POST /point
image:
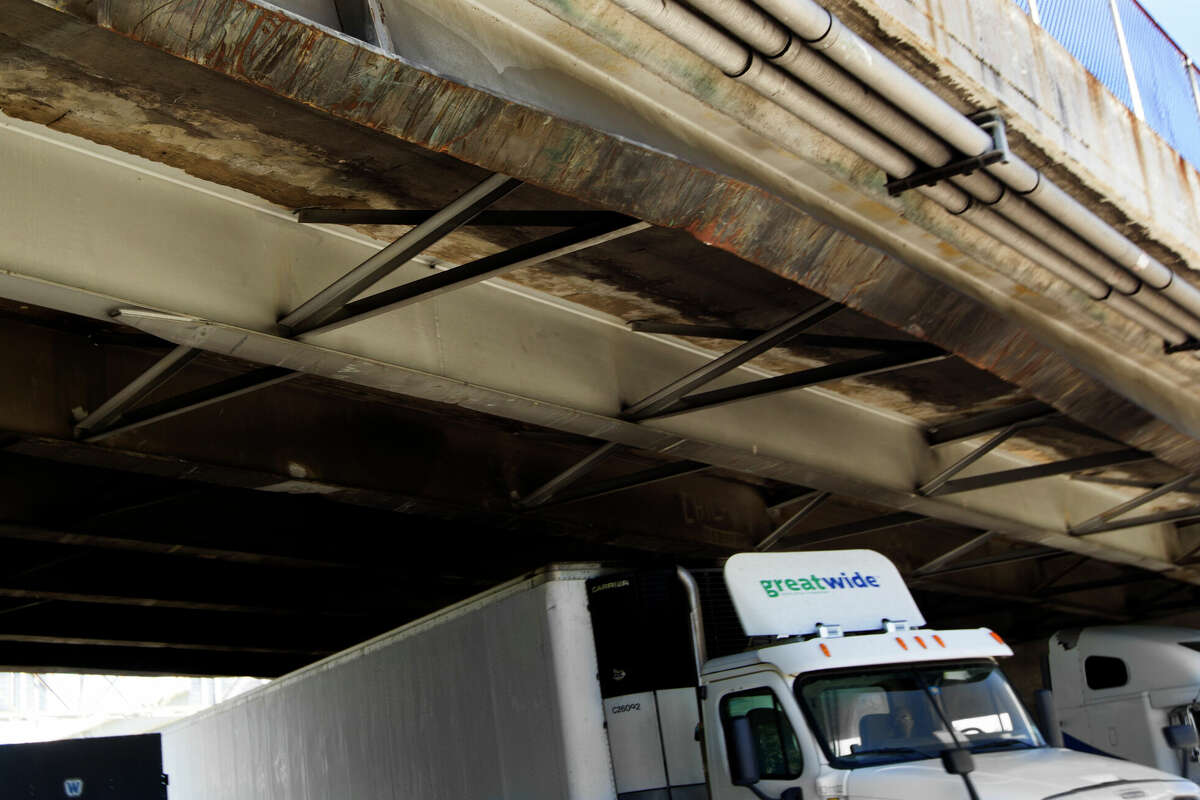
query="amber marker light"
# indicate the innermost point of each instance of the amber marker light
(938, 639)
(900, 642)
(920, 642)
(825, 650)
(996, 636)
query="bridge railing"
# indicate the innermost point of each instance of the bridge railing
(1122, 45)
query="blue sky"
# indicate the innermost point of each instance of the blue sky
(1181, 19)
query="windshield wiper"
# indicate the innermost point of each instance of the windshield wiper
(999, 743)
(894, 750)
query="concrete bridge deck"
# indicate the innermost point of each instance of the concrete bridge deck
(155, 155)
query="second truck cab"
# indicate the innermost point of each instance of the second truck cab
(848, 697)
(1130, 691)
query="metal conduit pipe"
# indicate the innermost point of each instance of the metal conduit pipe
(779, 46)
(762, 33)
(1074, 248)
(824, 32)
(736, 60)
(1003, 230)
(1149, 320)
(777, 87)
(727, 53)
(1158, 303)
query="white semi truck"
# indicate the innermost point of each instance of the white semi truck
(1130, 691)
(592, 684)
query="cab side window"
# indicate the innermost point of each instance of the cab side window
(776, 743)
(1103, 672)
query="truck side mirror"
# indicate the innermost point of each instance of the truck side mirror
(1181, 737)
(744, 768)
(743, 757)
(958, 761)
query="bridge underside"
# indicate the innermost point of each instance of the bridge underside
(278, 492)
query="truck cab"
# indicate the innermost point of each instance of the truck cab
(853, 699)
(1131, 692)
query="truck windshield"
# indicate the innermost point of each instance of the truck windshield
(884, 715)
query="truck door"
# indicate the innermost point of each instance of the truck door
(786, 751)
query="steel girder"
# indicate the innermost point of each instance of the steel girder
(214, 269)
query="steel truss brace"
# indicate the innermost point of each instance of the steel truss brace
(844, 531)
(1103, 518)
(936, 483)
(332, 307)
(612, 226)
(746, 334)
(1179, 515)
(987, 422)
(954, 553)
(664, 397)
(553, 492)
(1107, 583)
(1133, 483)
(1012, 557)
(490, 217)
(945, 486)
(857, 368)
(677, 397)
(811, 502)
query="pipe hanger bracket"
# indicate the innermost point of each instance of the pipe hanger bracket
(1192, 343)
(990, 121)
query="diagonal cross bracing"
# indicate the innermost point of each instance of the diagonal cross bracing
(942, 478)
(1067, 466)
(667, 396)
(328, 309)
(859, 367)
(987, 422)
(524, 255)
(815, 499)
(490, 217)
(759, 344)
(1104, 517)
(320, 306)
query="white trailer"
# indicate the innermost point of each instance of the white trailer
(592, 684)
(1130, 691)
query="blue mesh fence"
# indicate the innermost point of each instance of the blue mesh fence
(1087, 29)
(1162, 79)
